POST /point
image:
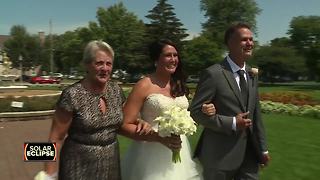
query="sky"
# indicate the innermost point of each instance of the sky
(66, 15)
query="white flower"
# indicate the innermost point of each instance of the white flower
(255, 71)
(175, 121)
(42, 175)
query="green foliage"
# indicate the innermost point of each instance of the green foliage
(200, 53)
(313, 61)
(68, 51)
(115, 25)
(305, 33)
(279, 61)
(290, 109)
(36, 103)
(22, 43)
(221, 14)
(164, 24)
(281, 42)
(125, 33)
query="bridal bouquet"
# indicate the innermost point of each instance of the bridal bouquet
(175, 121)
(44, 176)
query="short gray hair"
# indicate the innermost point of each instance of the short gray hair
(92, 47)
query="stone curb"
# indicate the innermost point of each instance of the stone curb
(30, 96)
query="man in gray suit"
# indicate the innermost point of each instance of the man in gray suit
(232, 144)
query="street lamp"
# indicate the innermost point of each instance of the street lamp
(21, 73)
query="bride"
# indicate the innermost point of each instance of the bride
(149, 159)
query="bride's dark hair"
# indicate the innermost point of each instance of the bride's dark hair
(178, 78)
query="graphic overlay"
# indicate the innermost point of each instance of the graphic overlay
(39, 151)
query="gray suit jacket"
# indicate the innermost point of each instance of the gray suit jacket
(219, 146)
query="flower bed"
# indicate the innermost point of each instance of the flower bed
(289, 97)
(290, 109)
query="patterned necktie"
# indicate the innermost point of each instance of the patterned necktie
(243, 87)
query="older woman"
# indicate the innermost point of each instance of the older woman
(87, 118)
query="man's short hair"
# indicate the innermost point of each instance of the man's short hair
(232, 29)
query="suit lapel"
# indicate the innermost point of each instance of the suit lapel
(250, 80)
(227, 71)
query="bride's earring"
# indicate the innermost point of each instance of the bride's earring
(155, 64)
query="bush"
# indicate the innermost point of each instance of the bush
(35, 103)
(290, 109)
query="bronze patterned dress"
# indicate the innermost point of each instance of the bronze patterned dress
(91, 149)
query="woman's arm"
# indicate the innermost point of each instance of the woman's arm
(59, 128)
(130, 126)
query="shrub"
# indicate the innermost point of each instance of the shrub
(35, 103)
(290, 109)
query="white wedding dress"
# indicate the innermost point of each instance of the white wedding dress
(152, 160)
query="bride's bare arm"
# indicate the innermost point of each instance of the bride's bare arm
(131, 112)
(131, 126)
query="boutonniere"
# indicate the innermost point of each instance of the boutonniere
(253, 72)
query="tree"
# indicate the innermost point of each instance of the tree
(164, 24)
(125, 33)
(305, 34)
(305, 31)
(281, 42)
(200, 53)
(68, 51)
(221, 14)
(313, 61)
(22, 43)
(116, 26)
(276, 61)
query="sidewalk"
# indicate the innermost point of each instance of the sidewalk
(13, 134)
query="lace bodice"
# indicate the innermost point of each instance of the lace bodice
(156, 103)
(147, 160)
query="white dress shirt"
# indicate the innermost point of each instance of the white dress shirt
(235, 68)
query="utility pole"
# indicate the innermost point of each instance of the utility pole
(51, 47)
(20, 58)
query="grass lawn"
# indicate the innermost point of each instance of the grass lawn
(294, 145)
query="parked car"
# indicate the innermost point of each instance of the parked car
(73, 76)
(44, 80)
(57, 75)
(25, 78)
(193, 79)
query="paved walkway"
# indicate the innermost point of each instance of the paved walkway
(13, 134)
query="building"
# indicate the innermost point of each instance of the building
(3, 38)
